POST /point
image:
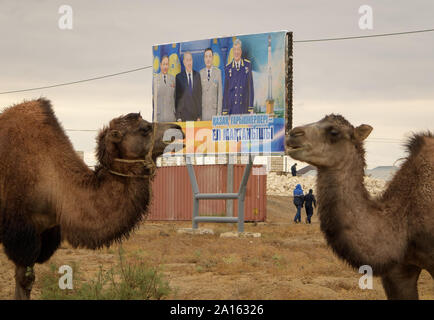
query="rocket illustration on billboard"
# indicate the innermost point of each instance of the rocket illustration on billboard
(270, 102)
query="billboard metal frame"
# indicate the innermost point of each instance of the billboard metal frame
(240, 196)
(289, 82)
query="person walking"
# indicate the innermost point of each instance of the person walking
(309, 199)
(298, 202)
(294, 170)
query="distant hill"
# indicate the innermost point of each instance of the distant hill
(305, 170)
(381, 172)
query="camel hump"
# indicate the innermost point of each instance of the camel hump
(38, 110)
(31, 108)
(418, 141)
(31, 105)
(45, 105)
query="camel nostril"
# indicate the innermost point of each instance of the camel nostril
(296, 132)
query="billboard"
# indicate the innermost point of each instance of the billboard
(230, 95)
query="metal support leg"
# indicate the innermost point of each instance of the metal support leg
(230, 185)
(195, 189)
(192, 175)
(242, 195)
(195, 213)
(199, 196)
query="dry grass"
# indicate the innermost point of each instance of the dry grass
(288, 262)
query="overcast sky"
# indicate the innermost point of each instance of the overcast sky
(387, 82)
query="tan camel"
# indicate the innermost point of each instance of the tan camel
(394, 234)
(47, 193)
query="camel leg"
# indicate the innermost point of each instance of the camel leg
(24, 279)
(401, 282)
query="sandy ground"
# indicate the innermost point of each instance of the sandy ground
(288, 262)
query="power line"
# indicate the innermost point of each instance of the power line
(367, 36)
(386, 139)
(79, 81)
(377, 141)
(148, 67)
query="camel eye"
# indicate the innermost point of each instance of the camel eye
(333, 132)
(145, 131)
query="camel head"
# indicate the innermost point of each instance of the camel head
(131, 137)
(328, 142)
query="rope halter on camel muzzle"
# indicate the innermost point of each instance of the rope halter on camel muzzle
(148, 162)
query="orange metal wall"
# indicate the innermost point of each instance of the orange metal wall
(173, 198)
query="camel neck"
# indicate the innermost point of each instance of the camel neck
(353, 223)
(109, 207)
(341, 196)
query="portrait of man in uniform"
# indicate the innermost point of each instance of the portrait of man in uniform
(238, 90)
(164, 93)
(212, 91)
(188, 92)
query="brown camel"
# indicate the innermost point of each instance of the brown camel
(47, 193)
(394, 233)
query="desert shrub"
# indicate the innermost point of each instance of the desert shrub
(125, 281)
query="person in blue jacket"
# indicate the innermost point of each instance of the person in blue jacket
(298, 202)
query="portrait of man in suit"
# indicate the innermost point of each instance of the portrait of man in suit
(212, 91)
(238, 91)
(164, 93)
(188, 92)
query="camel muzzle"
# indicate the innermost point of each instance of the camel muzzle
(293, 142)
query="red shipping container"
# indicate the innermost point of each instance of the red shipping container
(173, 197)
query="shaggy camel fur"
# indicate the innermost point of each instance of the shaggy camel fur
(394, 234)
(47, 193)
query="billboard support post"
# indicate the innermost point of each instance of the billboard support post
(195, 189)
(240, 196)
(230, 186)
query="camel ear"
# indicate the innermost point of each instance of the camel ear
(115, 136)
(362, 132)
